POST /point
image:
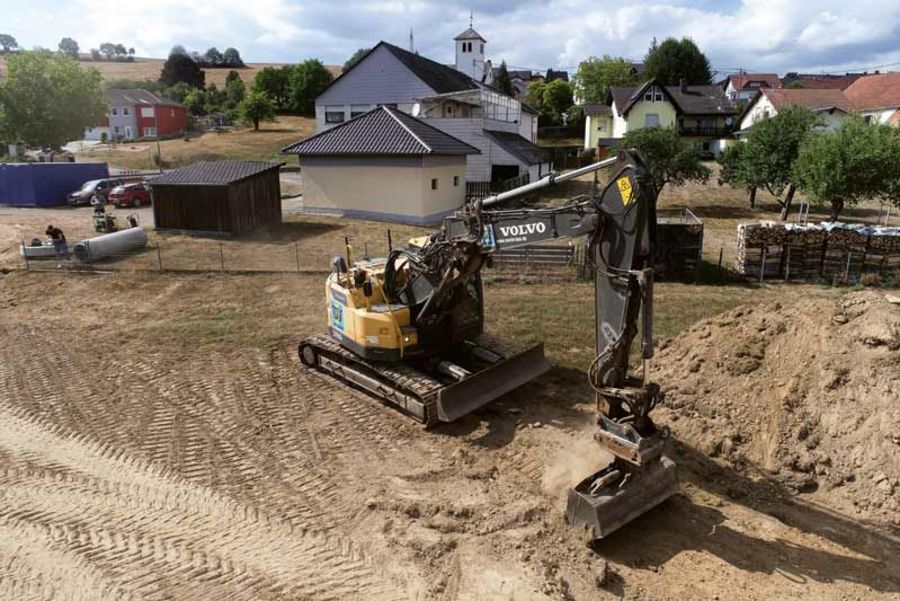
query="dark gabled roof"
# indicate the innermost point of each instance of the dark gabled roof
(524, 75)
(213, 173)
(120, 96)
(596, 110)
(440, 78)
(553, 75)
(519, 147)
(702, 100)
(693, 100)
(470, 34)
(381, 131)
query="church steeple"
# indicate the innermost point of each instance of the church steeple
(470, 51)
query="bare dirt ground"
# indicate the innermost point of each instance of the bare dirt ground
(159, 440)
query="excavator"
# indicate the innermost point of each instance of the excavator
(409, 328)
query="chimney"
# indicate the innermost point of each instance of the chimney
(683, 85)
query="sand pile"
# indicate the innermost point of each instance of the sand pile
(808, 393)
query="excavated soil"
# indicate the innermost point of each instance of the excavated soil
(807, 393)
(159, 440)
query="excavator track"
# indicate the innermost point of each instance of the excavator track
(423, 397)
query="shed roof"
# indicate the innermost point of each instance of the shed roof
(213, 173)
(596, 110)
(880, 91)
(379, 132)
(120, 96)
(527, 152)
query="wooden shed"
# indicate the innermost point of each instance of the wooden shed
(218, 197)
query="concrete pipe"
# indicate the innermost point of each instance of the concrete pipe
(109, 245)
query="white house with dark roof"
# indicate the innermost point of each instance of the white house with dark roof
(386, 165)
(448, 98)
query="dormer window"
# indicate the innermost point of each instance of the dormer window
(658, 97)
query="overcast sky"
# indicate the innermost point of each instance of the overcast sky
(758, 35)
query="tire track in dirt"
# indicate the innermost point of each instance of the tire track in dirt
(150, 532)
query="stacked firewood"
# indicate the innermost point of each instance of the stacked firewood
(790, 251)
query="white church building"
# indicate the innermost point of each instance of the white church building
(453, 99)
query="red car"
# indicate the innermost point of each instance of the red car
(132, 195)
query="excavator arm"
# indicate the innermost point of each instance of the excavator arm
(620, 228)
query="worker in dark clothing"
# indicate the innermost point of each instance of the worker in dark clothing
(59, 244)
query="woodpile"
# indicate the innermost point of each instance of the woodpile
(827, 250)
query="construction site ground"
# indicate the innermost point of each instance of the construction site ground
(159, 440)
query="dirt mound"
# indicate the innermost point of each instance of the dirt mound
(807, 393)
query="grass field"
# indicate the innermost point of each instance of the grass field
(242, 143)
(150, 68)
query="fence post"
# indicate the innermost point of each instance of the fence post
(762, 265)
(297, 255)
(847, 268)
(222, 255)
(158, 256)
(721, 251)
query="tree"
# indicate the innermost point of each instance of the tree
(595, 76)
(306, 81)
(108, 49)
(232, 58)
(131, 52)
(48, 100)
(856, 161)
(671, 159)
(534, 95)
(178, 92)
(234, 89)
(8, 43)
(213, 57)
(195, 101)
(256, 107)
(354, 58)
(771, 149)
(95, 54)
(557, 100)
(180, 67)
(274, 82)
(178, 49)
(121, 51)
(503, 82)
(69, 46)
(674, 61)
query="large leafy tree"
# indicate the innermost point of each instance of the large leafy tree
(671, 159)
(108, 49)
(552, 99)
(856, 161)
(8, 43)
(232, 58)
(47, 100)
(595, 76)
(180, 67)
(235, 89)
(274, 81)
(255, 107)
(771, 148)
(213, 57)
(354, 58)
(503, 81)
(69, 46)
(306, 80)
(674, 60)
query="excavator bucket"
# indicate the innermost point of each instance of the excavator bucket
(617, 494)
(515, 368)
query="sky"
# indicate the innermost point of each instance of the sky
(755, 35)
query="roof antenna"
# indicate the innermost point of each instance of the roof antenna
(412, 47)
(471, 19)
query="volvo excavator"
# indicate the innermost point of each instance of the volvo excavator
(409, 328)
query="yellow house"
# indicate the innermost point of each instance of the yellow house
(384, 165)
(598, 125)
(702, 114)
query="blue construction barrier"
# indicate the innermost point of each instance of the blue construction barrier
(45, 184)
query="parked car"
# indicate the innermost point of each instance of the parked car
(131, 195)
(94, 191)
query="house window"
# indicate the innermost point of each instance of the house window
(334, 116)
(149, 131)
(434, 183)
(482, 48)
(115, 111)
(658, 96)
(357, 110)
(116, 128)
(125, 110)
(651, 120)
(455, 180)
(868, 118)
(648, 96)
(147, 111)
